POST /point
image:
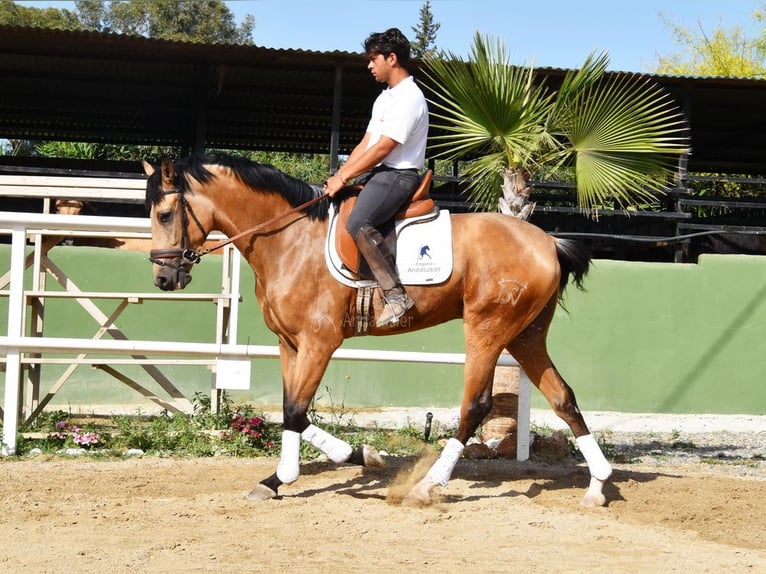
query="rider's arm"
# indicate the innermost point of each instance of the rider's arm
(369, 158)
(360, 161)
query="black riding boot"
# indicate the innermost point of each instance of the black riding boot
(379, 258)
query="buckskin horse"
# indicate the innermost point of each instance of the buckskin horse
(507, 278)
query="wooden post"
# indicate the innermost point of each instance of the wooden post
(501, 424)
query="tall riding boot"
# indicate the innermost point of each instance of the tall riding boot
(375, 251)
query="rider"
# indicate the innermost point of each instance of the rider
(391, 154)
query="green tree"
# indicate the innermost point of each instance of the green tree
(208, 21)
(621, 137)
(724, 52)
(16, 15)
(721, 52)
(424, 43)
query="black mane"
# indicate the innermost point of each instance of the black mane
(258, 176)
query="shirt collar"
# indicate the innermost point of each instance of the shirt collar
(407, 80)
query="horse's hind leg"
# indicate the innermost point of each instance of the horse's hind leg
(530, 350)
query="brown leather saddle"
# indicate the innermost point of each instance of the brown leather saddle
(420, 204)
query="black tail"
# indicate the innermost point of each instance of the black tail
(575, 259)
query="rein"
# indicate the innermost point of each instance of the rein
(189, 256)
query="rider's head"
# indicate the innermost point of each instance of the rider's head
(392, 41)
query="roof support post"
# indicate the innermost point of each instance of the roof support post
(335, 133)
(683, 161)
(198, 107)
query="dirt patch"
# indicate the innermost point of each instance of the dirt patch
(172, 515)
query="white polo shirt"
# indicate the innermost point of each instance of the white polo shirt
(401, 113)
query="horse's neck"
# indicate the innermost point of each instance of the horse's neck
(296, 235)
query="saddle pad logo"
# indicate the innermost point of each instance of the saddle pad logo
(424, 252)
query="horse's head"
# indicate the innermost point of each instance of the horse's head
(69, 206)
(177, 229)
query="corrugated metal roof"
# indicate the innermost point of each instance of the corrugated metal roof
(88, 86)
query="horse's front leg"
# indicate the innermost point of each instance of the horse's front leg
(477, 402)
(302, 372)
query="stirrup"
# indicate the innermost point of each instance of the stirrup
(394, 309)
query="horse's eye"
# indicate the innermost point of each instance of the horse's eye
(165, 216)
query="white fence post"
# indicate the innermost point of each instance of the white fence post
(15, 329)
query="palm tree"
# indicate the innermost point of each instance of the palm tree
(621, 136)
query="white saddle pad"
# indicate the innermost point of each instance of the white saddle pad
(423, 251)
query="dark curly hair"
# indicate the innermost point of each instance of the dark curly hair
(392, 41)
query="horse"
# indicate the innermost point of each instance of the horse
(507, 280)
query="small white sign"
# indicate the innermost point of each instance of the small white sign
(232, 373)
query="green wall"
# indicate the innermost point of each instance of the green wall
(669, 338)
(644, 337)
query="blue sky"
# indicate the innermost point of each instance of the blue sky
(558, 33)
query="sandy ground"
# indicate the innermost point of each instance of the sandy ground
(180, 515)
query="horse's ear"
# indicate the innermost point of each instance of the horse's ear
(168, 171)
(148, 168)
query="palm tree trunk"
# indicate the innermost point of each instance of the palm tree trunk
(515, 199)
(500, 423)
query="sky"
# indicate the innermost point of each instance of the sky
(555, 33)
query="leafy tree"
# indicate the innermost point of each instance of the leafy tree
(17, 15)
(307, 167)
(208, 21)
(101, 151)
(621, 136)
(722, 52)
(424, 43)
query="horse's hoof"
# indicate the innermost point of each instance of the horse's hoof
(372, 457)
(420, 494)
(261, 492)
(593, 500)
(594, 497)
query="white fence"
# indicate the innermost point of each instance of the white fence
(231, 361)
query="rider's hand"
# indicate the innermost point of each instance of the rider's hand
(333, 185)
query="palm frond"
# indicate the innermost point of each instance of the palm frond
(485, 104)
(623, 136)
(626, 136)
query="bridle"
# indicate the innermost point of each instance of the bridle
(185, 255)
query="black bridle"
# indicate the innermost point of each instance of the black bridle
(184, 255)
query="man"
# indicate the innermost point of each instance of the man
(393, 148)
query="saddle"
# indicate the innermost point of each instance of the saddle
(419, 204)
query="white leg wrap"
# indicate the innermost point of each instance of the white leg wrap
(597, 463)
(288, 468)
(336, 450)
(442, 469)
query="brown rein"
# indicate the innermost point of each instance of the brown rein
(191, 256)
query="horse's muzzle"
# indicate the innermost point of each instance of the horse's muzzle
(169, 279)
